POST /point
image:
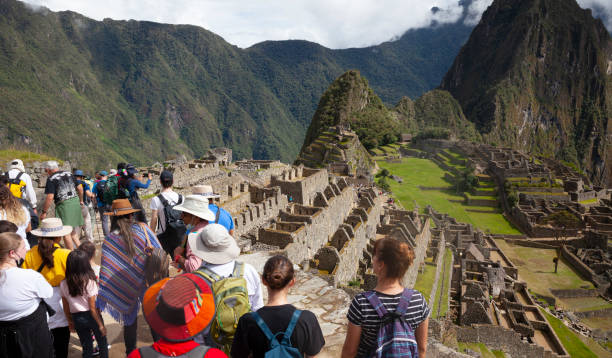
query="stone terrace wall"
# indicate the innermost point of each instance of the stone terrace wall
(422, 242)
(506, 340)
(301, 184)
(584, 270)
(258, 214)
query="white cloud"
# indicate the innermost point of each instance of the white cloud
(331, 23)
(601, 8)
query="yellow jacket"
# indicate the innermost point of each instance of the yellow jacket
(53, 275)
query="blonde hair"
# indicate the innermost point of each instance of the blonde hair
(12, 208)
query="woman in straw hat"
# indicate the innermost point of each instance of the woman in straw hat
(178, 309)
(49, 259)
(122, 275)
(23, 318)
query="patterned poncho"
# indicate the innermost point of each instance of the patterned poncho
(122, 282)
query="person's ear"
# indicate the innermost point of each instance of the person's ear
(291, 283)
(263, 280)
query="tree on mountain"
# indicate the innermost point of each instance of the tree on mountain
(561, 222)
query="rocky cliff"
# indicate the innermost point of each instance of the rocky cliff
(537, 75)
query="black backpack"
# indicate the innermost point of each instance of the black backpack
(175, 229)
(100, 189)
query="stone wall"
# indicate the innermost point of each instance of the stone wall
(301, 184)
(258, 214)
(601, 283)
(422, 241)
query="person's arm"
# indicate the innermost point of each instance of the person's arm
(79, 188)
(46, 205)
(351, 342)
(141, 185)
(95, 314)
(67, 313)
(421, 337)
(190, 262)
(30, 193)
(153, 223)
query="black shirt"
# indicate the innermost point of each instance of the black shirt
(62, 185)
(307, 336)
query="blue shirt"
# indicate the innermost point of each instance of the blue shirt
(86, 188)
(225, 218)
(134, 183)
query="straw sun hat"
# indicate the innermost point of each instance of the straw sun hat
(52, 227)
(196, 205)
(205, 191)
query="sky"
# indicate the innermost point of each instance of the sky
(331, 23)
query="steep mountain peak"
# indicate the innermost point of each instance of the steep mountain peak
(535, 75)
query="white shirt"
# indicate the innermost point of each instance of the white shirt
(30, 194)
(20, 293)
(21, 229)
(251, 276)
(156, 204)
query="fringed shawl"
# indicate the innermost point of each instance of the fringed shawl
(122, 283)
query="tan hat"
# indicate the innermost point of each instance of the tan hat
(205, 191)
(121, 207)
(213, 244)
(52, 227)
(196, 205)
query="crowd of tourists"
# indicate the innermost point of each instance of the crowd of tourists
(50, 284)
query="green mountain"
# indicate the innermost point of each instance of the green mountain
(537, 75)
(97, 92)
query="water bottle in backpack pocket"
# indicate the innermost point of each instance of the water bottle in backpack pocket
(280, 348)
(395, 336)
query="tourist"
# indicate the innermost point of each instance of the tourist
(222, 216)
(178, 318)
(49, 259)
(122, 276)
(251, 341)
(17, 174)
(32, 240)
(23, 315)
(12, 210)
(131, 182)
(61, 189)
(390, 262)
(8, 226)
(195, 215)
(79, 291)
(85, 231)
(167, 198)
(98, 190)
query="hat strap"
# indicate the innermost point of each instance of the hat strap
(121, 209)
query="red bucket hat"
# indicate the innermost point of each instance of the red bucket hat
(179, 308)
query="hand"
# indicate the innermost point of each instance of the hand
(179, 251)
(43, 215)
(71, 326)
(82, 203)
(102, 330)
(149, 176)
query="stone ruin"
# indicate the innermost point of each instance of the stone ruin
(486, 295)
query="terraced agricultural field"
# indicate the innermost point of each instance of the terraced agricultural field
(418, 173)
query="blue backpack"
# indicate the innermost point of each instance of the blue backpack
(395, 336)
(284, 348)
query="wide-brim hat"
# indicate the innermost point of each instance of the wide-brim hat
(179, 308)
(205, 191)
(196, 205)
(52, 227)
(213, 244)
(121, 207)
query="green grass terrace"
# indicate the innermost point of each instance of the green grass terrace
(417, 173)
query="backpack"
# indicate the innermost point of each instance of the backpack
(113, 191)
(157, 262)
(197, 352)
(231, 302)
(284, 348)
(16, 185)
(395, 336)
(175, 228)
(100, 189)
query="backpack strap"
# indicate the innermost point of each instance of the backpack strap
(380, 309)
(238, 269)
(18, 177)
(163, 200)
(180, 201)
(289, 331)
(218, 214)
(404, 302)
(208, 274)
(264, 328)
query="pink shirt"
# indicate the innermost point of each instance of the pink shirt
(79, 303)
(192, 262)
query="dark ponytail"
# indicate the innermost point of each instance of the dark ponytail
(46, 247)
(278, 272)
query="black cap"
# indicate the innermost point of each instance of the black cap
(166, 175)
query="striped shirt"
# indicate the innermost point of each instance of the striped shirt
(361, 313)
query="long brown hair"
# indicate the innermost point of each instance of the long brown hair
(13, 210)
(124, 224)
(78, 273)
(8, 241)
(46, 248)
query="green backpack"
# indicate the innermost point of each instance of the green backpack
(231, 302)
(112, 191)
